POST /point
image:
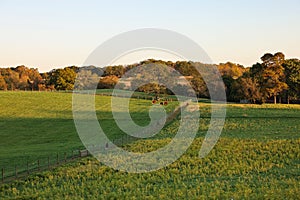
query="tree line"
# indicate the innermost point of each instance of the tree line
(273, 79)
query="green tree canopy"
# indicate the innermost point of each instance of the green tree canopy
(63, 79)
(292, 76)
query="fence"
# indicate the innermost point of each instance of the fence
(10, 173)
(99, 92)
(46, 163)
(128, 94)
(126, 139)
(19, 171)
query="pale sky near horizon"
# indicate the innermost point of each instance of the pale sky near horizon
(52, 34)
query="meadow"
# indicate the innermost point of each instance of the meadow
(257, 156)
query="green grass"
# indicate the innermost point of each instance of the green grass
(257, 156)
(35, 125)
(262, 121)
(234, 169)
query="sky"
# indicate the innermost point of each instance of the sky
(51, 34)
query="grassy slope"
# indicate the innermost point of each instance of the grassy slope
(258, 153)
(38, 124)
(35, 125)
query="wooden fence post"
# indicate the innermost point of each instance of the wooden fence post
(65, 157)
(57, 161)
(48, 162)
(2, 175)
(38, 162)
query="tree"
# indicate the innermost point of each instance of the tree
(3, 85)
(151, 88)
(292, 77)
(117, 71)
(63, 79)
(245, 88)
(231, 70)
(199, 87)
(11, 78)
(273, 74)
(108, 82)
(23, 83)
(88, 78)
(35, 78)
(192, 70)
(270, 75)
(152, 77)
(185, 68)
(29, 78)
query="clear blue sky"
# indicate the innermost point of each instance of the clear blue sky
(50, 34)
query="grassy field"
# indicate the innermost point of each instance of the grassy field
(257, 156)
(37, 124)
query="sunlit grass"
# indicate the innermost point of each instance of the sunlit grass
(257, 155)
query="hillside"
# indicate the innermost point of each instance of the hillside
(257, 156)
